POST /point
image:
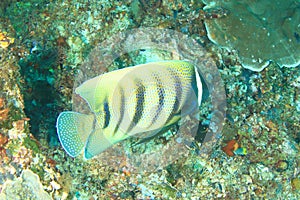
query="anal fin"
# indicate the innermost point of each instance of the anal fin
(97, 143)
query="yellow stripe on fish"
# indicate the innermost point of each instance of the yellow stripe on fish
(130, 101)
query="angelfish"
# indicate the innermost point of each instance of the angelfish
(141, 99)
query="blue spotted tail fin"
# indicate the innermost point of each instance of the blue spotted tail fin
(73, 130)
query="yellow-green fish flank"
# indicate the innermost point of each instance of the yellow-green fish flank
(130, 101)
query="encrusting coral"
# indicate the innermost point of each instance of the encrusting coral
(260, 31)
(27, 186)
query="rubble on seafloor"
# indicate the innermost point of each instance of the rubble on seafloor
(262, 117)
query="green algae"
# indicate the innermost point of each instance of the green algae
(261, 31)
(31, 144)
(296, 183)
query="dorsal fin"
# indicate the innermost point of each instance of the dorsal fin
(87, 91)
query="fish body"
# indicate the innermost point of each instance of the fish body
(129, 102)
(242, 151)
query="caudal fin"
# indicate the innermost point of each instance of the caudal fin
(73, 129)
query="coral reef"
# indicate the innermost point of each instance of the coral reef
(51, 40)
(260, 31)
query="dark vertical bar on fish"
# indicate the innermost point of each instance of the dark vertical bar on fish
(178, 91)
(161, 100)
(139, 107)
(106, 114)
(122, 109)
